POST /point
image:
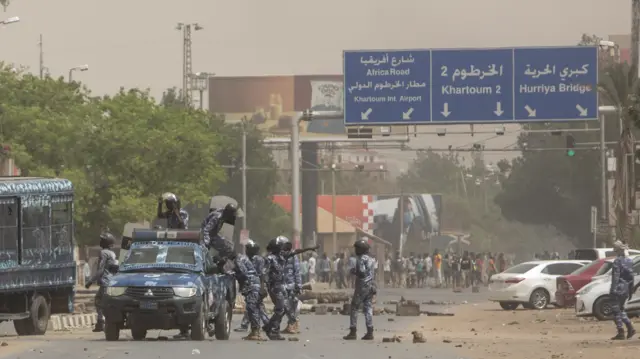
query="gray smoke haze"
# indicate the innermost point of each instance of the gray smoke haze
(133, 43)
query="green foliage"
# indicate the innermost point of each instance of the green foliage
(122, 151)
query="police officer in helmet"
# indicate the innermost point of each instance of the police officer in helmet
(107, 265)
(364, 290)
(212, 225)
(177, 218)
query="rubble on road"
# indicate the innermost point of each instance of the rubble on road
(418, 337)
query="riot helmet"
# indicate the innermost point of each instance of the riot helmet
(287, 246)
(251, 248)
(361, 247)
(275, 245)
(229, 214)
(170, 200)
(107, 240)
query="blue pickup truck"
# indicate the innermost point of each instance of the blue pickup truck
(169, 281)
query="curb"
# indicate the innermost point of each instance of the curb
(67, 322)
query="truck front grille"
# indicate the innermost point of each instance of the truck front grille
(150, 292)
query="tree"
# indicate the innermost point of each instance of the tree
(120, 151)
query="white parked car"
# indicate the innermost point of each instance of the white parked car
(599, 253)
(592, 300)
(532, 284)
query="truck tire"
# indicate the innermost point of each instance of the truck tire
(199, 324)
(38, 322)
(111, 331)
(223, 321)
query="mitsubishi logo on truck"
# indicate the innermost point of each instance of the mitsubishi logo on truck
(149, 293)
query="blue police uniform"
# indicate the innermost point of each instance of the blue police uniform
(249, 282)
(621, 284)
(364, 290)
(212, 239)
(258, 264)
(275, 272)
(293, 283)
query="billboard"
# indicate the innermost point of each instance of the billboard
(271, 101)
(384, 216)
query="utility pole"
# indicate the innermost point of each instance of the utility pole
(635, 34)
(41, 58)
(187, 78)
(333, 208)
(244, 177)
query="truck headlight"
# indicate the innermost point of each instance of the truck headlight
(185, 292)
(116, 291)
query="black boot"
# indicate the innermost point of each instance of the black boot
(99, 327)
(620, 335)
(352, 334)
(369, 335)
(275, 335)
(630, 332)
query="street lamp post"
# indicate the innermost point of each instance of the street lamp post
(11, 20)
(77, 68)
(333, 207)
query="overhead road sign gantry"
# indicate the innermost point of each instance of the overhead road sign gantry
(466, 86)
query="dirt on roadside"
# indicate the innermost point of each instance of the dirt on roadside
(483, 331)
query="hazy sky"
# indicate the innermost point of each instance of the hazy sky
(133, 43)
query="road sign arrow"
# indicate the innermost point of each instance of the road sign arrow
(407, 115)
(583, 111)
(365, 115)
(446, 112)
(498, 110)
(532, 112)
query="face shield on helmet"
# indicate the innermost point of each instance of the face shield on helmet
(107, 240)
(286, 244)
(251, 248)
(229, 214)
(170, 200)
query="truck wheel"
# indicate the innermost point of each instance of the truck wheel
(38, 322)
(111, 331)
(138, 333)
(199, 324)
(223, 321)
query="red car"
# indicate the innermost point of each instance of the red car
(568, 285)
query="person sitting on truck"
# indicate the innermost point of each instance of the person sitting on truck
(106, 266)
(177, 218)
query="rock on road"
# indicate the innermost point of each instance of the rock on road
(321, 337)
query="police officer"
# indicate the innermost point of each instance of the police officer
(106, 266)
(177, 218)
(275, 270)
(293, 282)
(364, 290)
(252, 249)
(621, 290)
(212, 225)
(249, 282)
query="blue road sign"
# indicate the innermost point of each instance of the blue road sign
(388, 87)
(550, 84)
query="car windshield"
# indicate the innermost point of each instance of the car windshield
(586, 268)
(521, 268)
(154, 254)
(604, 269)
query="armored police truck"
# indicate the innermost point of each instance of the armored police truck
(167, 280)
(37, 266)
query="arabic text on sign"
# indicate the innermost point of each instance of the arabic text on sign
(386, 59)
(564, 73)
(472, 71)
(386, 85)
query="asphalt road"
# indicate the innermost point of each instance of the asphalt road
(321, 337)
